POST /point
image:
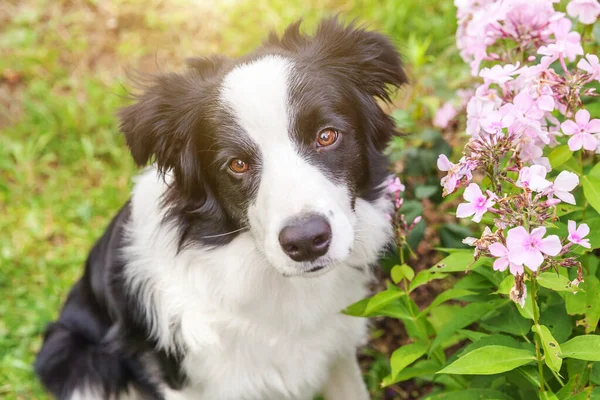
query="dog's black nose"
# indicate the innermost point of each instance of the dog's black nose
(306, 239)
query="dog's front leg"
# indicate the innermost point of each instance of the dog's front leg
(345, 380)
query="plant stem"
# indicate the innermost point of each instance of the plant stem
(401, 255)
(586, 265)
(536, 321)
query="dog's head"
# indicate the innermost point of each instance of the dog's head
(280, 143)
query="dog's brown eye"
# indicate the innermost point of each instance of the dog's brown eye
(238, 166)
(327, 137)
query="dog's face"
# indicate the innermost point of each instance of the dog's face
(280, 143)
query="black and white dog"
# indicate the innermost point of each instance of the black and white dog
(224, 275)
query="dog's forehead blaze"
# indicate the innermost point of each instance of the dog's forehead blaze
(257, 95)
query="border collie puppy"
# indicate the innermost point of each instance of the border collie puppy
(223, 277)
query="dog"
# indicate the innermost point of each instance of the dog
(258, 220)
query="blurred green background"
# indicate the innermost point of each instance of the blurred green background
(64, 170)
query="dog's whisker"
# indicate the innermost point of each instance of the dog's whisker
(226, 233)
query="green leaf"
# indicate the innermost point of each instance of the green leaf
(382, 299)
(506, 285)
(400, 272)
(592, 312)
(496, 340)
(548, 396)
(470, 394)
(368, 307)
(489, 360)
(419, 369)
(583, 395)
(560, 155)
(563, 209)
(595, 373)
(527, 310)
(551, 347)
(449, 294)
(530, 373)
(595, 171)
(591, 189)
(558, 321)
(406, 355)
(558, 283)
(424, 277)
(473, 336)
(456, 262)
(469, 314)
(474, 282)
(585, 347)
(423, 192)
(508, 320)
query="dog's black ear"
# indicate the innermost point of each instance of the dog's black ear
(166, 122)
(157, 126)
(207, 67)
(368, 59)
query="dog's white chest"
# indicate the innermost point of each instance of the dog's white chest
(258, 363)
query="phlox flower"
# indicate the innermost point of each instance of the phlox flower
(531, 149)
(533, 178)
(477, 110)
(444, 115)
(563, 184)
(568, 44)
(543, 96)
(477, 204)
(499, 74)
(576, 235)
(456, 172)
(528, 248)
(450, 181)
(586, 11)
(495, 121)
(527, 115)
(503, 260)
(581, 131)
(395, 187)
(590, 65)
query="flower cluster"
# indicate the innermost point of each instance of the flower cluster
(534, 74)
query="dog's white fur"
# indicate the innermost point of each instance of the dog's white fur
(250, 330)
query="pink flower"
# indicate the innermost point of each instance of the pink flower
(499, 74)
(444, 115)
(581, 131)
(563, 184)
(533, 178)
(477, 110)
(542, 94)
(590, 65)
(503, 261)
(527, 248)
(477, 204)
(586, 11)
(576, 236)
(450, 181)
(395, 187)
(527, 115)
(568, 44)
(495, 121)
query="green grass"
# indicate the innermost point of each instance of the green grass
(64, 170)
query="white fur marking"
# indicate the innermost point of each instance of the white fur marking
(257, 94)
